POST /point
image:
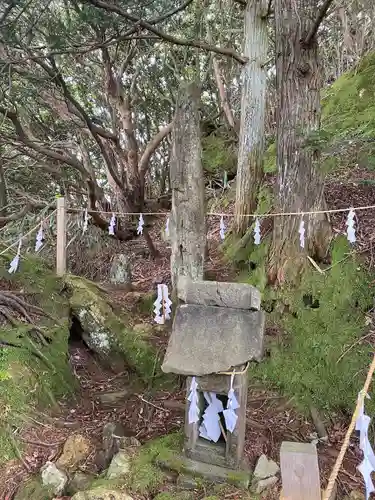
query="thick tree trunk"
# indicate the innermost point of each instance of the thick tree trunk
(253, 110)
(300, 183)
(187, 221)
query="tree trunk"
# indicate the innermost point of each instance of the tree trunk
(187, 221)
(253, 111)
(300, 183)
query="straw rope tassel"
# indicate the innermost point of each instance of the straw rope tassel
(345, 444)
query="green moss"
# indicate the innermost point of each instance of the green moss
(176, 495)
(33, 374)
(219, 154)
(146, 303)
(110, 484)
(33, 489)
(269, 165)
(146, 476)
(319, 359)
(348, 117)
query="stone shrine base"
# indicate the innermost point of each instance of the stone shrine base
(207, 472)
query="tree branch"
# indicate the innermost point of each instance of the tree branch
(319, 18)
(57, 77)
(16, 216)
(50, 153)
(164, 36)
(151, 147)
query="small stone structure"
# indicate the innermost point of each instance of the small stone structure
(216, 331)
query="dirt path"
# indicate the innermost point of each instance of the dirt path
(270, 420)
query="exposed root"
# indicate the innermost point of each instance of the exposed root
(11, 305)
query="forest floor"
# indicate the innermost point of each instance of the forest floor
(271, 419)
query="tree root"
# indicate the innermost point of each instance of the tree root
(10, 302)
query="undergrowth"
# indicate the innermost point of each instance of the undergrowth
(319, 358)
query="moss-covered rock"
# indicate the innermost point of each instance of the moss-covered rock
(108, 334)
(146, 476)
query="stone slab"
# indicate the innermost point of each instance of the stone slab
(215, 293)
(209, 339)
(210, 473)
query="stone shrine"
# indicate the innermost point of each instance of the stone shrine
(217, 331)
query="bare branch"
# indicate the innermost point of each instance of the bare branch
(319, 18)
(27, 141)
(151, 147)
(164, 36)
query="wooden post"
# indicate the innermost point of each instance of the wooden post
(187, 221)
(61, 237)
(299, 472)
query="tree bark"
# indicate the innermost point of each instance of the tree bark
(253, 112)
(187, 220)
(300, 184)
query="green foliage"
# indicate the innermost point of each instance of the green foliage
(146, 476)
(319, 359)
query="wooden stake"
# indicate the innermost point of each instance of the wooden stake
(61, 237)
(299, 471)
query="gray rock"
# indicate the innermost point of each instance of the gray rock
(102, 494)
(209, 339)
(120, 466)
(215, 293)
(265, 468)
(209, 472)
(120, 272)
(113, 398)
(187, 482)
(79, 482)
(265, 484)
(114, 439)
(54, 478)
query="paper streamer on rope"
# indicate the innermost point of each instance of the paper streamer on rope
(193, 399)
(301, 232)
(16, 259)
(367, 465)
(350, 231)
(141, 223)
(257, 232)
(86, 222)
(210, 427)
(39, 238)
(222, 228)
(112, 225)
(167, 227)
(162, 305)
(225, 180)
(232, 404)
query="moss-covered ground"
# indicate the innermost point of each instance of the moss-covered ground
(31, 373)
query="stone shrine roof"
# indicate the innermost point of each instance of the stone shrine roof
(209, 339)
